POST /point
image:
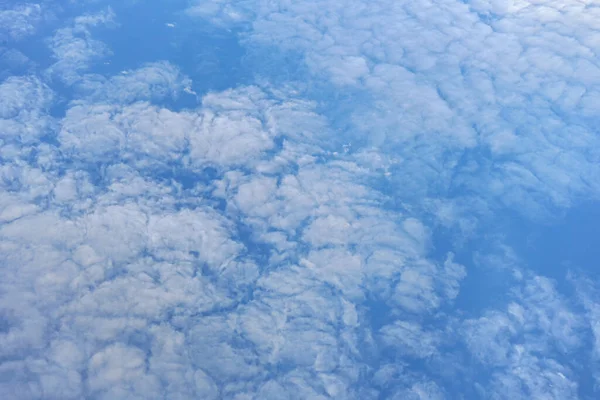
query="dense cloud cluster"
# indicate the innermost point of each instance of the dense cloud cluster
(485, 91)
(235, 249)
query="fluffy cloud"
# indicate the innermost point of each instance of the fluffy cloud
(529, 344)
(24, 102)
(472, 95)
(236, 249)
(131, 259)
(75, 49)
(154, 81)
(19, 21)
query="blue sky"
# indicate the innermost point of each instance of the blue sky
(299, 200)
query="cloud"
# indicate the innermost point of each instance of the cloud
(154, 81)
(132, 259)
(24, 102)
(74, 48)
(410, 339)
(441, 94)
(19, 21)
(529, 344)
(220, 13)
(587, 293)
(119, 371)
(236, 249)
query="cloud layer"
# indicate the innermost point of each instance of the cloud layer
(283, 240)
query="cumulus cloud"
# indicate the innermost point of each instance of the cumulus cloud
(75, 49)
(102, 132)
(154, 81)
(19, 21)
(127, 252)
(530, 343)
(24, 102)
(233, 250)
(587, 293)
(450, 81)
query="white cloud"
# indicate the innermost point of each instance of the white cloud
(281, 271)
(24, 102)
(228, 137)
(118, 371)
(137, 258)
(587, 293)
(447, 81)
(75, 49)
(153, 81)
(220, 12)
(232, 128)
(19, 21)
(410, 339)
(529, 344)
